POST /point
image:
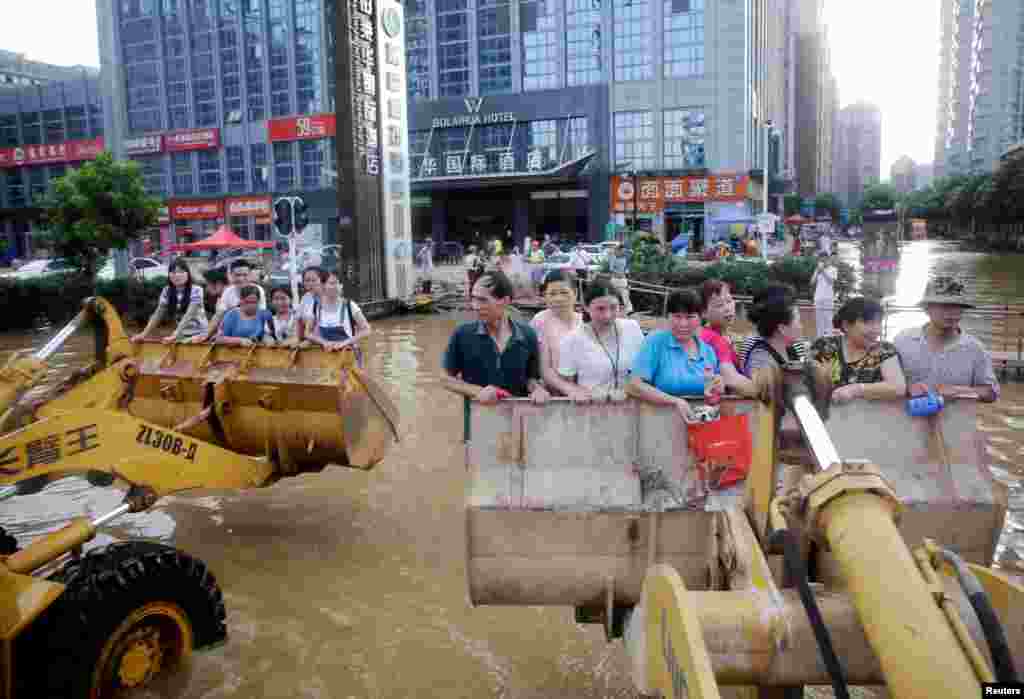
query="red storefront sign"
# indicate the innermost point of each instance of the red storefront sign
(192, 139)
(191, 210)
(301, 128)
(652, 194)
(239, 207)
(143, 145)
(50, 154)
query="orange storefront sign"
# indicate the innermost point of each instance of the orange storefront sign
(652, 194)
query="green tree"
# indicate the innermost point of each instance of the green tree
(1006, 195)
(963, 201)
(878, 196)
(827, 203)
(99, 207)
(791, 204)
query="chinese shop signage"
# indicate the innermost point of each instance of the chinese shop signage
(652, 194)
(51, 154)
(144, 145)
(192, 139)
(301, 128)
(190, 210)
(363, 46)
(473, 117)
(250, 206)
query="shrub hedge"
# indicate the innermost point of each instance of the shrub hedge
(30, 303)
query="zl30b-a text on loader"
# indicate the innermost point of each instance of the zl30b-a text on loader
(163, 419)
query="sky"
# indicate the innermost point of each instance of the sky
(883, 51)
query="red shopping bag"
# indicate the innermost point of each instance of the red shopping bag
(722, 450)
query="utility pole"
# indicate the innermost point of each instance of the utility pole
(290, 217)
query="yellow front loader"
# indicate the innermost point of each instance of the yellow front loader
(161, 419)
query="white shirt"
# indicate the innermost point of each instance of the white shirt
(338, 317)
(826, 242)
(229, 299)
(306, 305)
(582, 357)
(824, 286)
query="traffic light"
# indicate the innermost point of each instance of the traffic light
(301, 215)
(283, 217)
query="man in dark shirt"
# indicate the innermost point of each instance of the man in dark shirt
(494, 353)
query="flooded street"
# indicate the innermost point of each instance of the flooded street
(351, 584)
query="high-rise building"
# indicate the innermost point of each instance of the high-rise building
(957, 22)
(995, 108)
(924, 175)
(224, 105)
(903, 175)
(859, 152)
(550, 118)
(815, 102)
(45, 128)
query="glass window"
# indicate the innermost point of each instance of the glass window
(633, 26)
(131, 9)
(542, 142)
(579, 137)
(9, 130)
(416, 48)
(260, 168)
(312, 156)
(683, 138)
(37, 184)
(684, 38)
(153, 175)
(209, 172)
(308, 97)
(95, 120)
(182, 166)
(284, 166)
(494, 26)
(583, 42)
(236, 168)
(452, 48)
(54, 125)
(30, 126)
(15, 188)
(540, 44)
(633, 134)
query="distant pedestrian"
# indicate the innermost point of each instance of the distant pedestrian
(824, 282)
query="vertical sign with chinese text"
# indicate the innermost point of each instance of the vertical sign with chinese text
(360, 231)
(396, 216)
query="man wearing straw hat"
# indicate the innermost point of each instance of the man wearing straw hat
(942, 357)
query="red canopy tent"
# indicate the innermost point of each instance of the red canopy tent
(222, 239)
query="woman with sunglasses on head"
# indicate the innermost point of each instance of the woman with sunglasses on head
(595, 359)
(182, 302)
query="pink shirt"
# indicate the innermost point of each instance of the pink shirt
(722, 345)
(550, 331)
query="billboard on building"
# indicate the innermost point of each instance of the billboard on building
(241, 207)
(184, 210)
(192, 139)
(143, 145)
(51, 153)
(653, 194)
(301, 128)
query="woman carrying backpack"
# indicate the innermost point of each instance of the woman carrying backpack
(336, 322)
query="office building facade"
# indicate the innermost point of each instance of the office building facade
(17, 70)
(556, 118)
(224, 105)
(45, 129)
(957, 23)
(903, 175)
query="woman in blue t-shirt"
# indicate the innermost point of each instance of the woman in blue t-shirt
(673, 363)
(246, 323)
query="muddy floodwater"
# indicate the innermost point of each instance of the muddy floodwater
(351, 584)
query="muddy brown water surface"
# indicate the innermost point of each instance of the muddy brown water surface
(351, 584)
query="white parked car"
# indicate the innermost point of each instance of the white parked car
(595, 253)
(42, 268)
(140, 267)
(565, 261)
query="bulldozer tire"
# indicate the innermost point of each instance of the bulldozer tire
(131, 610)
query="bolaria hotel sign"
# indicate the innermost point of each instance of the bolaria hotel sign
(473, 117)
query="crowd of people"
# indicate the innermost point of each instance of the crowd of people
(560, 353)
(235, 312)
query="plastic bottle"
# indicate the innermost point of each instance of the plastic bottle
(711, 396)
(930, 403)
